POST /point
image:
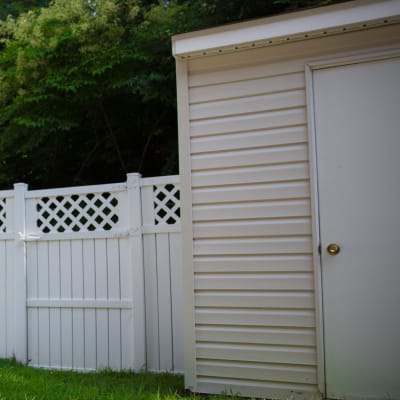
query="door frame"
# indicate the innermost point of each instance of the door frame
(310, 67)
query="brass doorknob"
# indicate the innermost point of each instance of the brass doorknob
(333, 249)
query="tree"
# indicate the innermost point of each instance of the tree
(13, 7)
(87, 88)
(82, 96)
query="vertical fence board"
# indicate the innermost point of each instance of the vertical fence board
(151, 290)
(66, 313)
(10, 262)
(78, 332)
(55, 314)
(114, 293)
(164, 301)
(126, 279)
(136, 261)
(175, 245)
(32, 287)
(19, 271)
(89, 290)
(3, 300)
(101, 293)
(43, 293)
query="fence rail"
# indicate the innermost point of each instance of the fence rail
(90, 277)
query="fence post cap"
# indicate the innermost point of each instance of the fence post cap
(133, 179)
(20, 185)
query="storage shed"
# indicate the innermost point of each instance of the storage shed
(289, 131)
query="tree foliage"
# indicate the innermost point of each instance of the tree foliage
(87, 87)
(16, 7)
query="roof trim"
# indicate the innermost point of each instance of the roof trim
(302, 25)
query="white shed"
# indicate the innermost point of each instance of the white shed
(289, 132)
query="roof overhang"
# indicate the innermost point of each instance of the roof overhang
(302, 25)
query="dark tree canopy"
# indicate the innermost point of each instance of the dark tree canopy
(16, 7)
(87, 88)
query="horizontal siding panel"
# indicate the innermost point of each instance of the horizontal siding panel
(286, 245)
(248, 87)
(252, 244)
(256, 299)
(273, 155)
(252, 139)
(259, 353)
(269, 191)
(298, 281)
(255, 335)
(270, 318)
(277, 227)
(229, 74)
(251, 175)
(244, 123)
(244, 105)
(263, 372)
(262, 389)
(277, 263)
(249, 211)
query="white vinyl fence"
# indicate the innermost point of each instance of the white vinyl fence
(90, 277)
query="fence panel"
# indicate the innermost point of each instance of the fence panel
(163, 280)
(7, 274)
(76, 305)
(88, 252)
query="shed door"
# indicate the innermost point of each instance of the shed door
(357, 115)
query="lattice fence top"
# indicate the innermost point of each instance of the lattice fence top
(77, 213)
(3, 216)
(166, 204)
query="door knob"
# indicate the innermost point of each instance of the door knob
(333, 249)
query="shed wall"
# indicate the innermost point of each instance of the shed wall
(252, 293)
(252, 244)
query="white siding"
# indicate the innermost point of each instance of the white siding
(252, 283)
(252, 245)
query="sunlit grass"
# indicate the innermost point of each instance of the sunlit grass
(24, 383)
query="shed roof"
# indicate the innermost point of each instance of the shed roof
(302, 25)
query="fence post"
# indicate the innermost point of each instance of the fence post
(21, 324)
(137, 262)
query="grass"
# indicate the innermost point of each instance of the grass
(18, 382)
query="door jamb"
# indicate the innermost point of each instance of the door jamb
(310, 67)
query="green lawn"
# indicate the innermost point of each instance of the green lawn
(25, 383)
